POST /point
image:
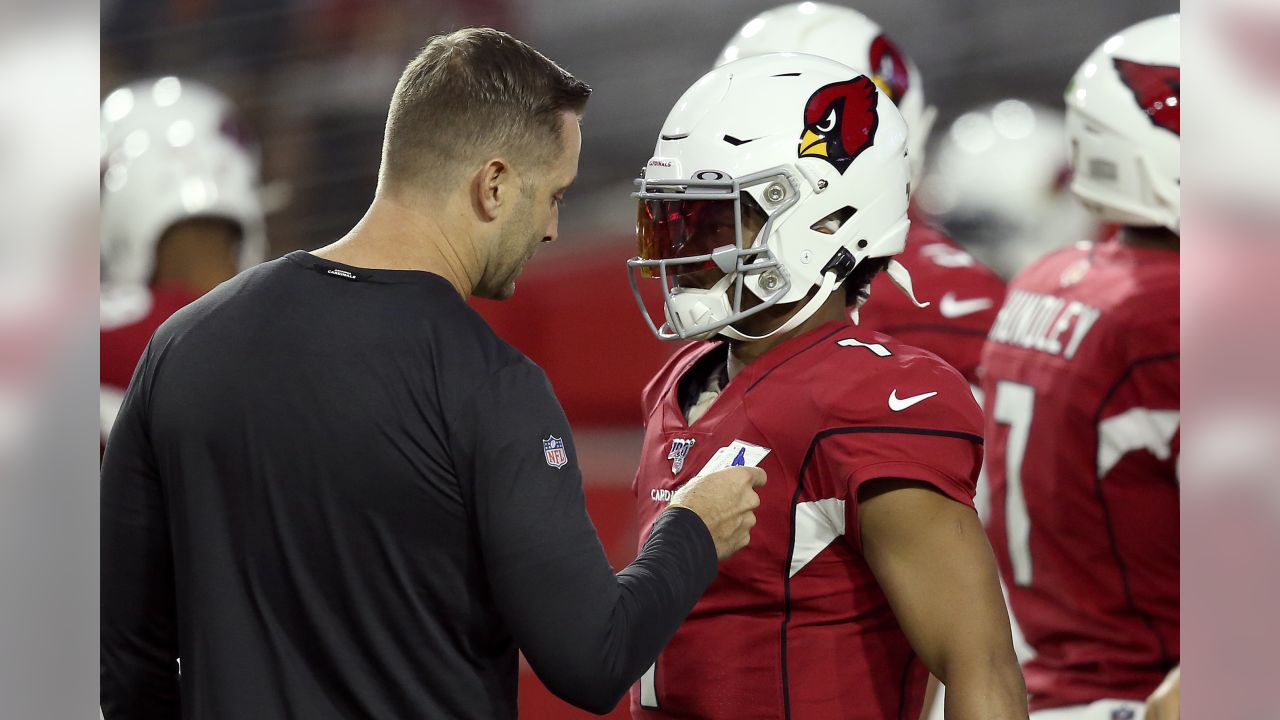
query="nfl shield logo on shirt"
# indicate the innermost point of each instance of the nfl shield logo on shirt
(553, 449)
(679, 451)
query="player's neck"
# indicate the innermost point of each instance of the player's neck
(743, 353)
(1149, 237)
(394, 235)
(196, 255)
(189, 275)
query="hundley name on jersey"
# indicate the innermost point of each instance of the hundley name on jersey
(1040, 322)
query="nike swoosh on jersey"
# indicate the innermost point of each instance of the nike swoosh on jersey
(950, 307)
(898, 404)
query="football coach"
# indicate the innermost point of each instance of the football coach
(333, 492)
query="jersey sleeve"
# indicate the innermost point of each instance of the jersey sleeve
(588, 633)
(928, 429)
(138, 635)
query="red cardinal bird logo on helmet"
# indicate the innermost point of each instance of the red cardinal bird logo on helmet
(1157, 88)
(889, 68)
(840, 121)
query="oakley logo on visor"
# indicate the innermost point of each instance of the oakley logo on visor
(840, 122)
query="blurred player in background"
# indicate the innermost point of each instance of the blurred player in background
(766, 223)
(964, 296)
(181, 213)
(999, 182)
(1082, 387)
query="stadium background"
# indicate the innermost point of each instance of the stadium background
(313, 77)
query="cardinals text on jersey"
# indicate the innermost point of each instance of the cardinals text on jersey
(796, 626)
(1081, 385)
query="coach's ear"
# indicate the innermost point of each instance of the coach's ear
(493, 189)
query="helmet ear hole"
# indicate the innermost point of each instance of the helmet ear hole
(1103, 169)
(834, 220)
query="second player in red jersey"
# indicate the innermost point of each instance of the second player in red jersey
(868, 567)
(1082, 392)
(963, 294)
(1081, 378)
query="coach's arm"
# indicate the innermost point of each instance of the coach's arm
(931, 557)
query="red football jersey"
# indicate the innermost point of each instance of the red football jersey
(963, 295)
(129, 316)
(1081, 384)
(796, 626)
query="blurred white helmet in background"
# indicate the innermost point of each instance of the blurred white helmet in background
(176, 111)
(151, 193)
(850, 38)
(998, 183)
(1124, 126)
(820, 169)
(173, 150)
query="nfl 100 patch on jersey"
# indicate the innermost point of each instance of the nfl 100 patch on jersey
(679, 451)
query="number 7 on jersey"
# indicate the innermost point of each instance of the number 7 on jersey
(1014, 405)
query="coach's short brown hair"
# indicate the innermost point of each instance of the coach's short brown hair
(472, 94)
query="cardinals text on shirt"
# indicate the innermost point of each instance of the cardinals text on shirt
(1046, 323)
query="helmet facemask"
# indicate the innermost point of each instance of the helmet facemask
(690, 231)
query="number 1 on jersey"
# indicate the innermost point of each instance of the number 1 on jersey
(1014, 405)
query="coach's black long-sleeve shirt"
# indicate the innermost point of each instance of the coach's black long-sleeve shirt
(333, 492)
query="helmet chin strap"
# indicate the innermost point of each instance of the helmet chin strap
(900, 277)
(804, 313)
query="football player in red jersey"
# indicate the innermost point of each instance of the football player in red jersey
(964, 295)
(868, 567)
(181, 213)
(1083, 425)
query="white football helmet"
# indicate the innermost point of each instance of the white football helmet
(172, 150)
(998, 182)
(1124, 126)
(172, 110)
(821, 166)
(850, 38)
